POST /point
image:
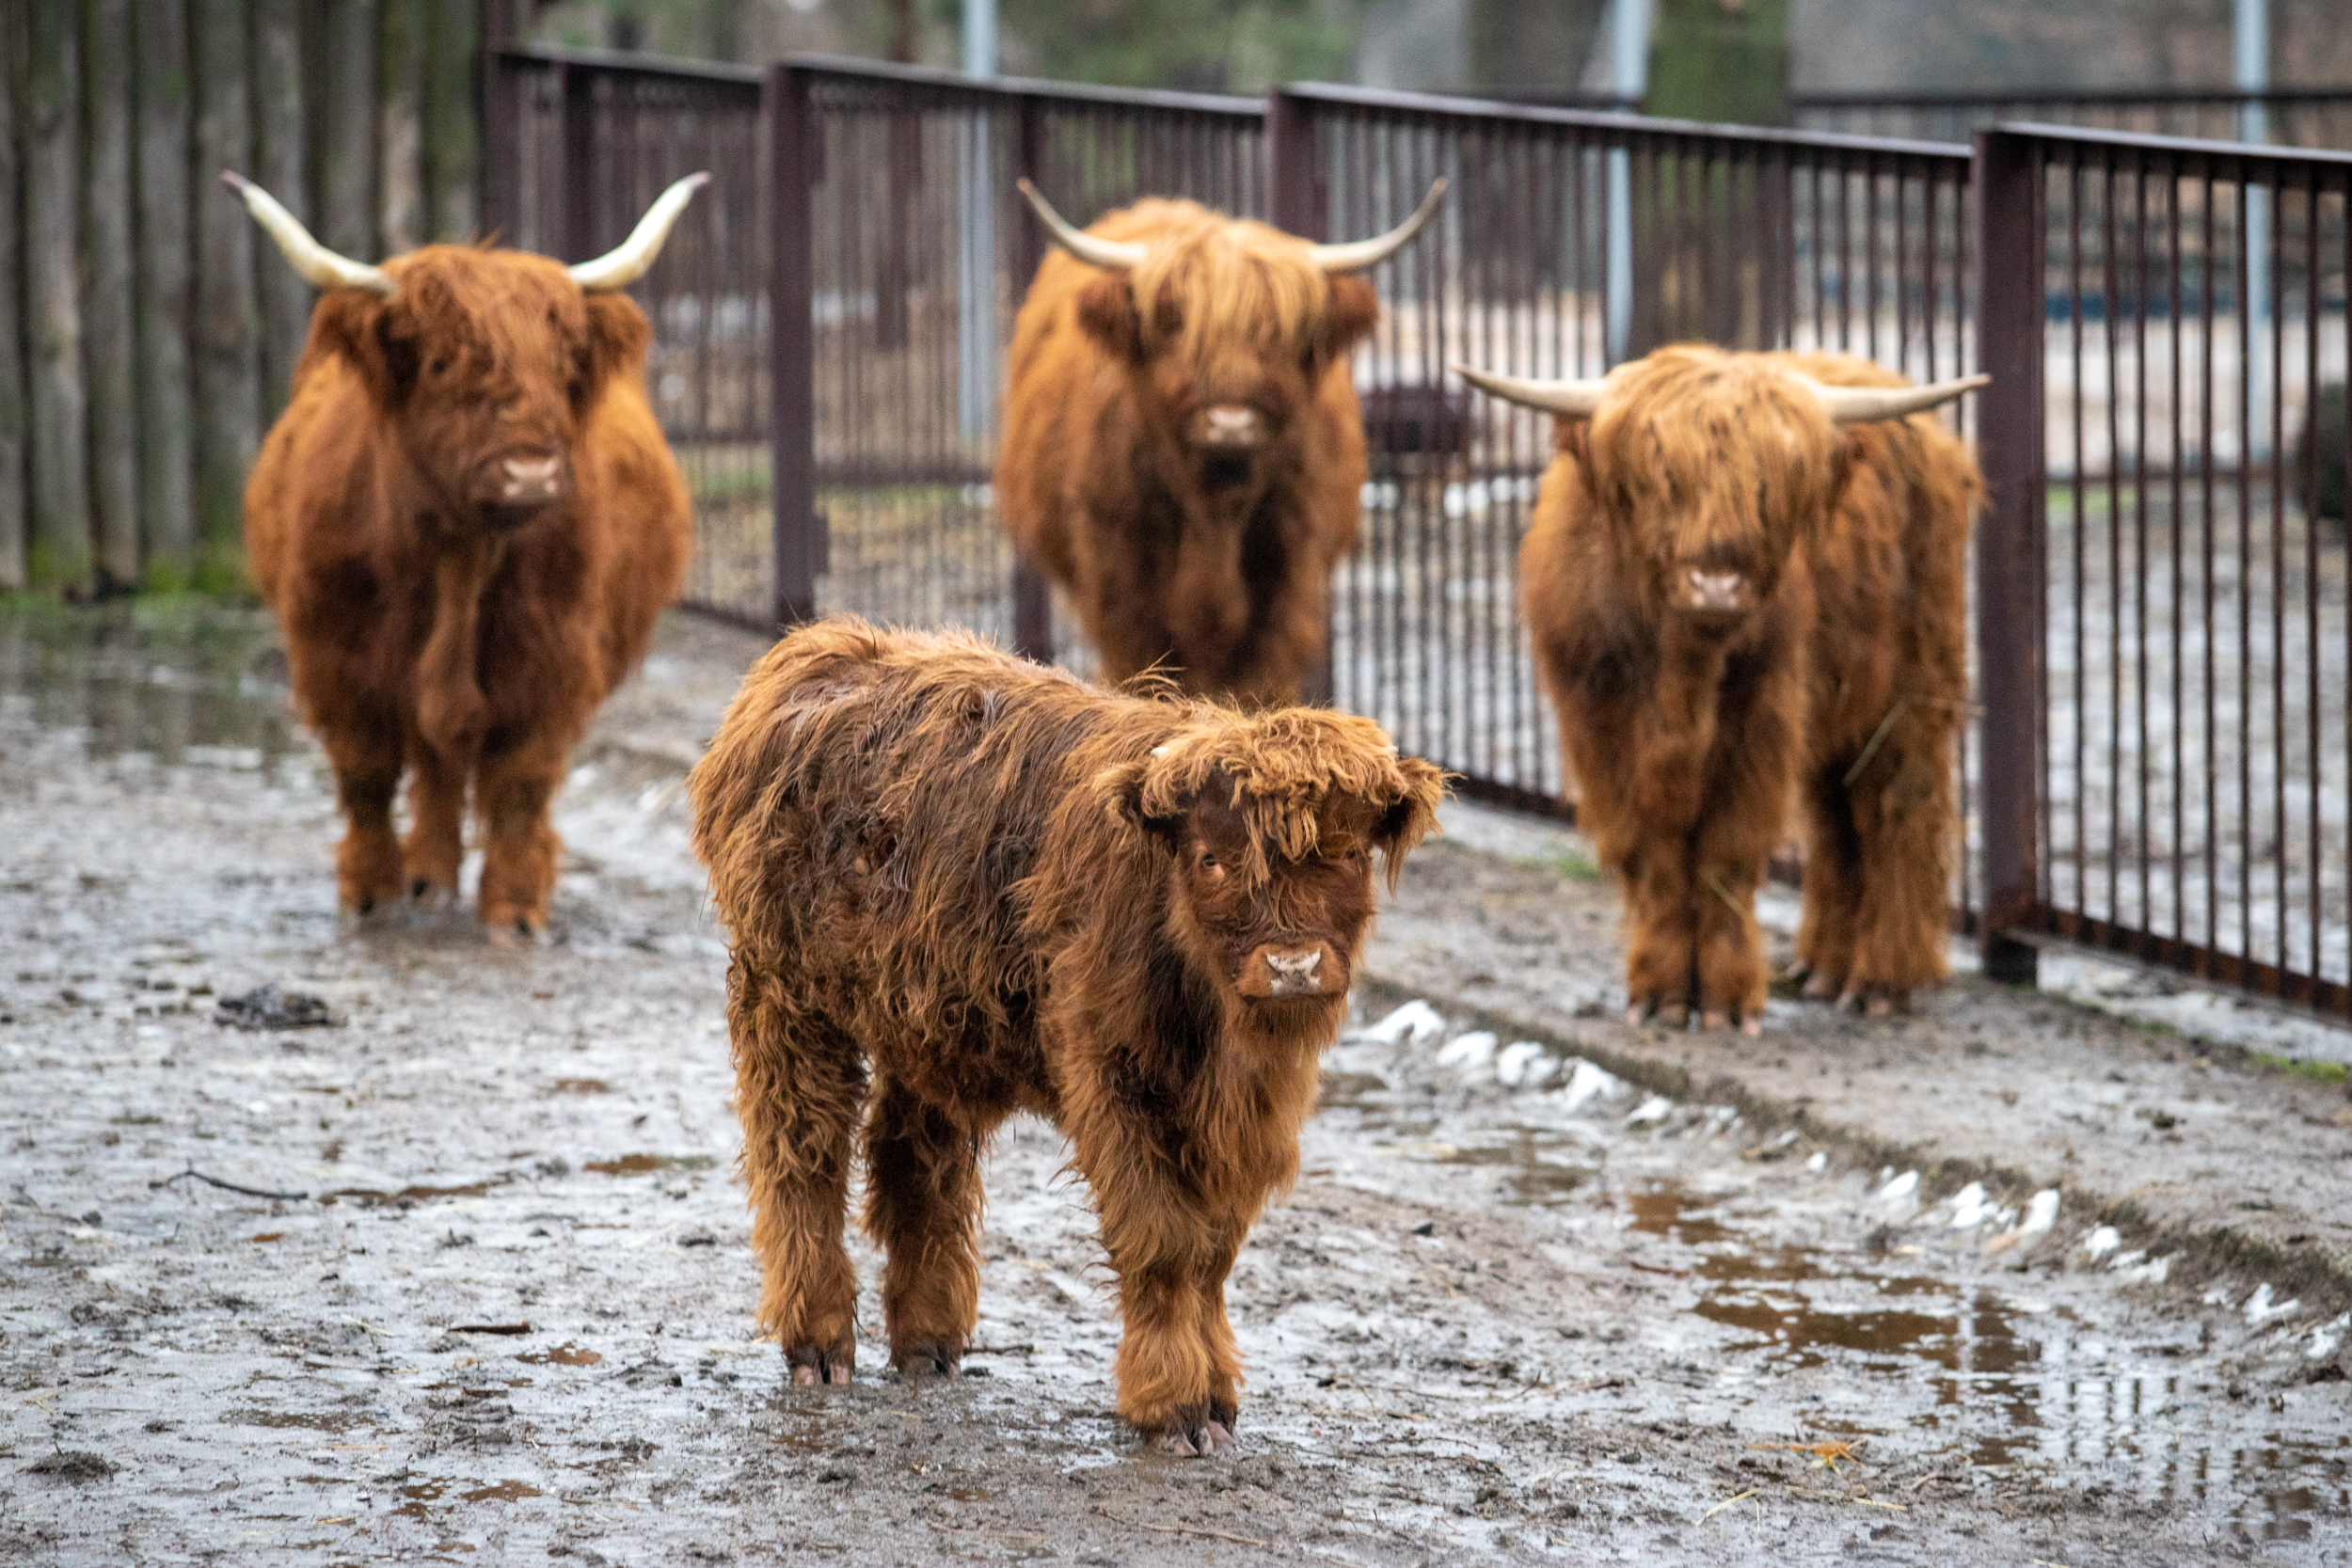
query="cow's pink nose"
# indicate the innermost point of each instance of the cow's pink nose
(1715, 590)
(1232, 427)
(1294, 973)
(532, 478)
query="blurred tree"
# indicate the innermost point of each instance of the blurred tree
(1214, 45)
(1724, 60)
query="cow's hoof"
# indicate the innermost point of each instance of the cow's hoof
(927, 1360)
(1714, 1020)
(1752, 1026)
(1196, 1432)
(427, 893)
(1637, 1015)
(1819, 987)
(518, 934)
(1675, 1015)
(815, 1368)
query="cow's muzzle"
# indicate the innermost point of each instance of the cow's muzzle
(517, 484)
(1715, 593)
(1275, 973)
(1230, 428)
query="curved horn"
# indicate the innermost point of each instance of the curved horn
(1357, 255)
(1575, 399)
(632, 258)
(318, 266)
(1855, 405)
(1095, 251)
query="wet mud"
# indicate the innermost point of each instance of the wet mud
(1521, 1306)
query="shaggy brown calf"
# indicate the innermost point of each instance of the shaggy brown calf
(961, 885)
(466, 522)
(1183, 450)
(1744, 577)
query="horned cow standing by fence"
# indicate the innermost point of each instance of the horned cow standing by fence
(466, 523)
(1182, 446)
(994, 889)
(1744, 575)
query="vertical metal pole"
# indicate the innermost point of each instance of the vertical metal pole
(578, 86)
(1032, 598)
(792, 349)
(2009, 643)
(2250, 57)
(1628, 78)
(976, 272)
(1295, 203)
(498, 100)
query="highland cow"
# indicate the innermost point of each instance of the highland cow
(960, 885)
(466, 522)
(1744, 578)
(1182, 447)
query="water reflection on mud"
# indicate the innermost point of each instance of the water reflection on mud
(193, 684)
(2014, 1384)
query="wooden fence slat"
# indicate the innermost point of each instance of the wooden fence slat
(451, 108)
(12, 409)
(165, 414)
(107, 340)
(278, 163)
(59, 554)
(400, 127)
(228, 359)
(347, 179)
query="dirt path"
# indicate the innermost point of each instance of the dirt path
(1521, 1308)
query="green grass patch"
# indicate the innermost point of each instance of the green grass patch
(2318, 1072)
(1574, 864)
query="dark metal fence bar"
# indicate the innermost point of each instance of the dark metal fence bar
(2293, 117)
(582, 143)
(2181, 662)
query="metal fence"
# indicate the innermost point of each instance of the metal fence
(2292, 117)
(2166, 640)
(578, 145)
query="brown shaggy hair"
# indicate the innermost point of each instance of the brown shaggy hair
(1734, 600)
(1210, 560)
(434, 623)
(959, 885)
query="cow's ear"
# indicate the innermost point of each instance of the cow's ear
(1350, 312)
(1413, 817)
(1128, 800)
(370, 333)
(1107, 309)
(618, 335)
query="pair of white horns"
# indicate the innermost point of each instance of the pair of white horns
(324, 269)
(1843, 404)
(1119, 255)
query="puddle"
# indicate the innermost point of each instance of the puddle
(644, 1164)
(580, 1086)
(2008, 1384)
(503, 1492)
(1532, 1173)
(374, 1197)
(184, 681)
(564, 1354)
(1349, 1091)
(419, 1493)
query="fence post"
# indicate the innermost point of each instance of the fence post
(1296, 202)
(500, 93)
(2009, 581)
(791, 363)
(1032, 596)
(577, 88)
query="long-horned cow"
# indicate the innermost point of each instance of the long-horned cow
(1744, 578)
(466, 522)
(1183, 449)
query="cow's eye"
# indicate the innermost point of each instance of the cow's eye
(1208, 859)
(437, 366)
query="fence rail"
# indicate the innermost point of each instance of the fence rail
(2294, 117)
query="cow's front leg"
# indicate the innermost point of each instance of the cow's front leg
(799, 1086)
(1662, 935)
(1178, 1373)
(366, 760)
(1731, 971)
(923, 1208)
(518, 844)
(435, 848)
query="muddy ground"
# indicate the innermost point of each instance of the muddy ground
(2010, 1281)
